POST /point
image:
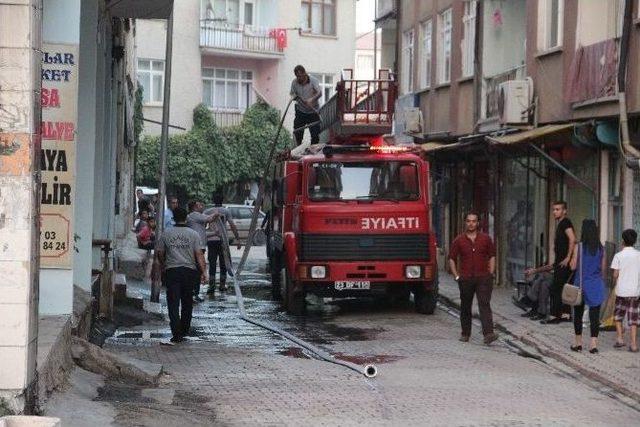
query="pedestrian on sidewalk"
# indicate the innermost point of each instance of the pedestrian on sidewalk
(472, 259)
(147, 235)
(215, 248)
(180, 255)
(537, 295)
(564, 247)
(626, 272)
(198, 221)
(588, 263)
(141, 222)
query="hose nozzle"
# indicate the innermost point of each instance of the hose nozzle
(370, 371)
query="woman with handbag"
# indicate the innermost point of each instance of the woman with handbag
(588, 262)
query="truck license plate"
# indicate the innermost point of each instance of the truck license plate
(352, 284)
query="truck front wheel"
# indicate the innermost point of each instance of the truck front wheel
(425, 300)
(295, 301)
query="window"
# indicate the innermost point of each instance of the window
(223, 12)
(318, 17)
(326, 86)
(550, 17)
(227, 89)
(469, 37)
(248, 13)
(444, 47)
(364, 65)
(391, 180)
(599, 21)
(426, 31)
(406, 77)
(151, 78)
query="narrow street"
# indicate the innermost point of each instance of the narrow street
(234, 373)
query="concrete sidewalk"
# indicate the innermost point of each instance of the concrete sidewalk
(618, 369)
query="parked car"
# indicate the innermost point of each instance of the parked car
(242, 215)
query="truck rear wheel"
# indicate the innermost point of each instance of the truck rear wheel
(295, 301)
(425, 300)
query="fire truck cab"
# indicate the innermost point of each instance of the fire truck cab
(351, 217)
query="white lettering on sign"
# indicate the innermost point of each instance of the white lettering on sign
(399, 223)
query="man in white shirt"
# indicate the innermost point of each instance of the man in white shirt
(626, 271)
(168, 212)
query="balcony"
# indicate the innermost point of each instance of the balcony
(492, 92)
(593, 73)
(239, 40)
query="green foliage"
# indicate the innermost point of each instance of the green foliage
(207, 158)
(5, 410)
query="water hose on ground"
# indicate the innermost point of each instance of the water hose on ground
(368, 371)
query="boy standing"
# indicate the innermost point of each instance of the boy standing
(626, 271)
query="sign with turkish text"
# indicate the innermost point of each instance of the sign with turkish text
(59, 98)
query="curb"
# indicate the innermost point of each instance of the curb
(547, 351)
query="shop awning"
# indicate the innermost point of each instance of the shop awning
(431, 147)
(529, 135)
(140, 9)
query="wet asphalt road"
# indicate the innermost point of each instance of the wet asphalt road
(240, 374)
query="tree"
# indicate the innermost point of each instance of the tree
(207, 158)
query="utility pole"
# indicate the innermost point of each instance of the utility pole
(164, 142)
(375, 39)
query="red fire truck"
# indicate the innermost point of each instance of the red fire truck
(350, 217)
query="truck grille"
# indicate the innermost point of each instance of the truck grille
(362, 247)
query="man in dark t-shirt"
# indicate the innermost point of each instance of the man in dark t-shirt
(564, 243)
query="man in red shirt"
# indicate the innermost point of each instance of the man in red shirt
(472, 259)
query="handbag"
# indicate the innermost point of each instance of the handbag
(572, 294)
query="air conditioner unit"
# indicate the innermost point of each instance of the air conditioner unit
(412, 121)
(514, 99)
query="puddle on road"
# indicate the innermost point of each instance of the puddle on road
(136, 409)
(295, 352)
(216, 320)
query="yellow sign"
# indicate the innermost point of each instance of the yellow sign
(59, 98)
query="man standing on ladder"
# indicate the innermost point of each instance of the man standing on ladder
(306, 90)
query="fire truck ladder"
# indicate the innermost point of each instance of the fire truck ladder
(359, 107)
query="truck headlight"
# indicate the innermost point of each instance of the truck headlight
(413, 271)
(318, 272)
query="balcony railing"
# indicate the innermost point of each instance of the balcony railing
(593, 72)
(238, 37)
(492, 85)
(225, 119)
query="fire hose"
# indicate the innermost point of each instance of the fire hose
(368, 371)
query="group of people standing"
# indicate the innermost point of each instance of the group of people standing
(180, 256)
(581, 263)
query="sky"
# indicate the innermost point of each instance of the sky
(365, 13)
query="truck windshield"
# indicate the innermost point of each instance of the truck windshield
(388, 180)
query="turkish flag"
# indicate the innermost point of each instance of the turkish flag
(280, 34)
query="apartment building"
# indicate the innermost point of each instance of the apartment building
(229, 53)
(520, 105)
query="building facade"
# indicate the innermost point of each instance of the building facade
(229, 53)
(521, 107)
(67, 83)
